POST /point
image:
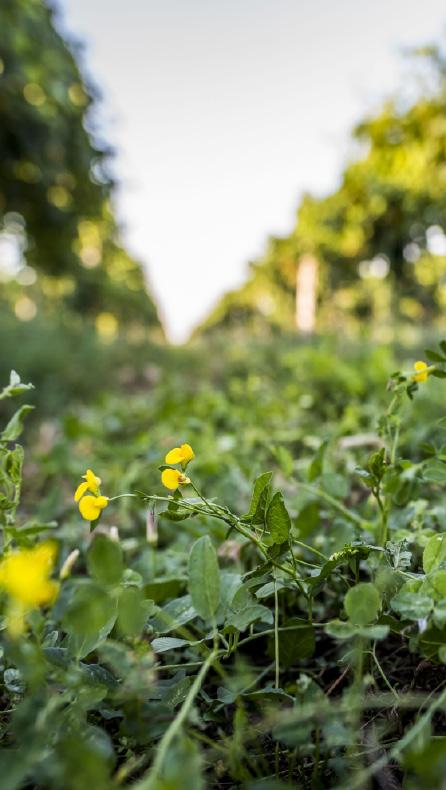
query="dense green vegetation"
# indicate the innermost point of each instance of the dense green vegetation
(301, 644)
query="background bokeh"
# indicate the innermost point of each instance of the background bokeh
(367, 260)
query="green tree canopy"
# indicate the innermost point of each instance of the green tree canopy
(55, 185)
(387, 218)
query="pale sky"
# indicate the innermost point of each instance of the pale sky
(223, 112)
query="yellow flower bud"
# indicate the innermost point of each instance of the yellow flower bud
(421, 371)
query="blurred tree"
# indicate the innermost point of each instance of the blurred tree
(380, 238)
(55, 186)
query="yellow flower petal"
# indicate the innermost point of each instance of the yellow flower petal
(421, 371)
(90, 507)
(45, 554)
(175, 456)
(80, 491)
(93, 481)
(24, 575)
(180, 455)
(188, 453)
(170, 478)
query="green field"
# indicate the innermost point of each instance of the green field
(278, 621)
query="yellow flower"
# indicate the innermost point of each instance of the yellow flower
(180, 455)
(421, 371)
(24, 575)
(172, 478)
(92, 483)
(91, 507)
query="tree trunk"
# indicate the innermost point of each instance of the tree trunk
(306, 294)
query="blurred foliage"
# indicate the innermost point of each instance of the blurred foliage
(70, 362)
(60, 247)
(379, 237)
(188, 647)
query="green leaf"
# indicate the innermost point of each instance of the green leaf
(162, 589)
(266, 590)
(295, 645)
(15, 386)
(177, 693)
(440, 614)
(335, 485)
(412, 605)
(259, 500)
(14, 464)
(362, 603)
(433, 356)
(340, 629)
(173, 614)
(435, 585)
(277, 519)
(132, 611)
(88, 618)
(204, 577)
(373, 631)
(13, 681)
(15, 425)
(164, 643)
(434, 553)
(243, 619)
(435, 471)
(308, 519)
(268, 693)
(104, 560)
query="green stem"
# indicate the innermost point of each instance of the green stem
(384, 519)
(310, 548)
(276, 634)
(234, 522)
(149, 781)
(382, 673)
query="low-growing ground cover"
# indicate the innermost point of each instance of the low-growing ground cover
(249, 589)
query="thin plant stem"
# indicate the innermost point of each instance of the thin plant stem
(276, 634)
(149, 781)
(382, 673)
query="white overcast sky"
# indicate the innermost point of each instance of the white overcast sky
(223, 112)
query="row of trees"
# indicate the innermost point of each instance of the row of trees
(57, 226)
(379, 238)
